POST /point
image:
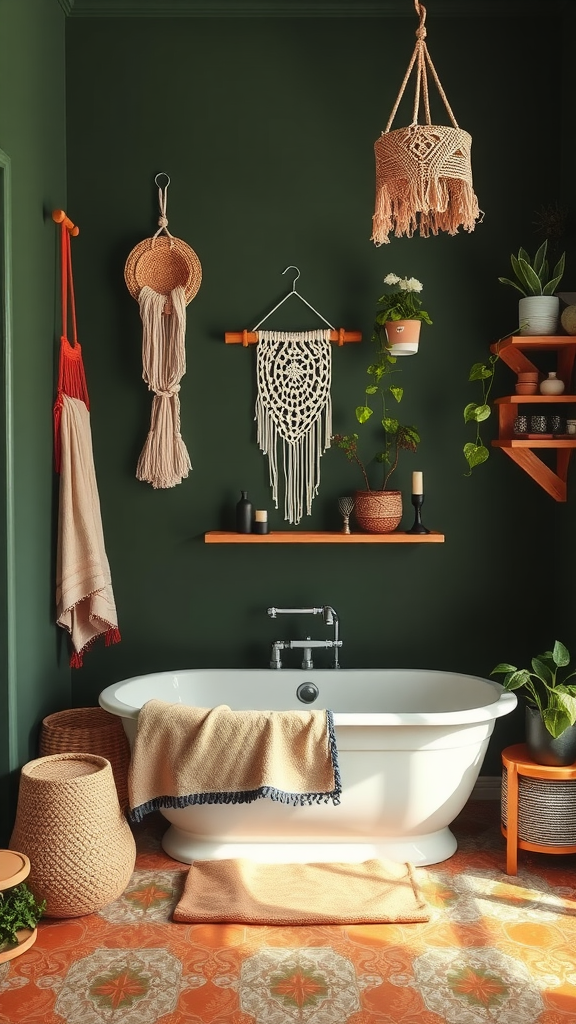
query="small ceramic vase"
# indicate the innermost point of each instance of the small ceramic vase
(552, 385)
(538, 424)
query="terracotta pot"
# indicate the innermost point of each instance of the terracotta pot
(378, 511)
(403, 336)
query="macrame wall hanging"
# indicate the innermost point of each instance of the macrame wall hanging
(163, 273)
(423, 172)
(293, 403)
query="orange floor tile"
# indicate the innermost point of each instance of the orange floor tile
(496, 950)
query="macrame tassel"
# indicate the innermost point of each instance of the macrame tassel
(164, 460)
(294, 404)
(401, 209)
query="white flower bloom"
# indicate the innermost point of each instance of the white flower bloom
(412, 285)
(391, 279)
(403, 284)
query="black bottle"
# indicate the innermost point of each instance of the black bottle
(244, 514)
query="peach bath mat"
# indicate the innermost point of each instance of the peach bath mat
(244, 891)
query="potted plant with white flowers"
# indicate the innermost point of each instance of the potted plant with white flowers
(400, 314)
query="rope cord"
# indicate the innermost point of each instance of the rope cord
(163, 219)
(421, 57)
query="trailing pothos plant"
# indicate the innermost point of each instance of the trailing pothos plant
(476, 452)
(543, 689)
(18, 909)
(397, 436)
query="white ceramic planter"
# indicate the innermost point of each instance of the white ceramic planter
(540, 314)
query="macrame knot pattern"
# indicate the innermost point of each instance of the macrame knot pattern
(164, 460)
(293, 404)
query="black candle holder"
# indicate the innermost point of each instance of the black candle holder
(417, 500)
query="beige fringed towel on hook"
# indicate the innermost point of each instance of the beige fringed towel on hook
(84, 600)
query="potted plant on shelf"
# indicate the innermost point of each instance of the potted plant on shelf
(400, 315)
(379, 510)
(550, 707)
(19, 915)
(539, 308)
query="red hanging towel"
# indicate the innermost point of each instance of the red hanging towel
(84, 599)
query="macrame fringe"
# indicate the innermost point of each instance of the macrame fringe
(301, 448)
(164, 460)
(444, 204)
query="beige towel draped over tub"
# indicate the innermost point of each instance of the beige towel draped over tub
(187, 755)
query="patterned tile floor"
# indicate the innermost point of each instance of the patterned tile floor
(497, 950)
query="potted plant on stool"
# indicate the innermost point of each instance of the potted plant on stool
(550, 707)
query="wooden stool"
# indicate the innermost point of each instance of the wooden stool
(14, 868)
(535, 813)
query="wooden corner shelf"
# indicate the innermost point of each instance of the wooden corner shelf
(321, 537)
(515, 352)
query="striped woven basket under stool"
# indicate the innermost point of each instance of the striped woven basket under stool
(89, 731)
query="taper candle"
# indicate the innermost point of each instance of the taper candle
(417, 483)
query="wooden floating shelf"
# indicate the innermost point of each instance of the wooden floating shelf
(322, 537)
(520, 442)
(528, 399)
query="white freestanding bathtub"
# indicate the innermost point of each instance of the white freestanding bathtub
(410, 743)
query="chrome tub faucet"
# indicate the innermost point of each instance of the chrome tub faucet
(330, 619)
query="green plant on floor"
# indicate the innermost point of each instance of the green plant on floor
(544, 689)
(476, 452)
(532, 277)
(18, 909)
(402, 304)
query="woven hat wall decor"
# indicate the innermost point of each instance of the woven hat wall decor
(163, 274)
(423, 172)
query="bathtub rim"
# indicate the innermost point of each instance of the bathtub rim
(504, 700)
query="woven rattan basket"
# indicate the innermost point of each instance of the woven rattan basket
(89, 731)
(378, 511)
(163, 263)
(69, 823)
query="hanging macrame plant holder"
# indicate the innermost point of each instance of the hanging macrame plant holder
(423, 172)
(293, 406)
(163, 274)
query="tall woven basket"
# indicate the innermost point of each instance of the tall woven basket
(70, 825)
(89, 731)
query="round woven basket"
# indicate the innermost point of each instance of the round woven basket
(378, 511)
(89, 731)
(546, 810)
(163, 263)
(69, 823)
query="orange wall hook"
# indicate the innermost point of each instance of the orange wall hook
(59, 216)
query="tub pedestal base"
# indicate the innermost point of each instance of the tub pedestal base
(418, 850)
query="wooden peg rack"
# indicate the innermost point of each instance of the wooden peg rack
(59, 217)
(245, 338)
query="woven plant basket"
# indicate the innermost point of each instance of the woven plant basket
(89, 731)
(69, 823)
(162, 263)
(378, 511)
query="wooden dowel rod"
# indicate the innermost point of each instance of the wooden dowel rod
(59, 216)
(246, 338)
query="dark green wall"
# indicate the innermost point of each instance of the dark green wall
(266, 129)
(35, 679)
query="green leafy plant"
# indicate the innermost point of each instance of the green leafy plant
(18, 909)
(543, 688)
(402, 304)
(532, 277)
(383, 389)
(476, 452)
